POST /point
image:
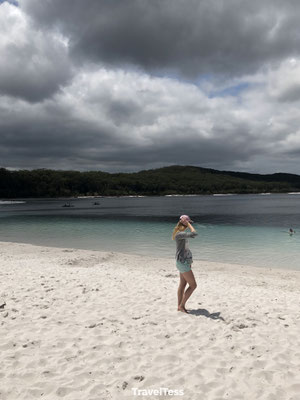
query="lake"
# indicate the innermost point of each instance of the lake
(247, 229)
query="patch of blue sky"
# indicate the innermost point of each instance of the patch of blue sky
(14, 2)
(177, 75)
(234, 90)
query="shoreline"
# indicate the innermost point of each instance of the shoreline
(163, 259)
(15, 199)
(94, 325)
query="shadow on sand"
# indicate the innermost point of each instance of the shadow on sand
(207, 314)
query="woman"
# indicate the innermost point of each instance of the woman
(184, 260)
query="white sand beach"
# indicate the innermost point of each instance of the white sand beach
(87, 325)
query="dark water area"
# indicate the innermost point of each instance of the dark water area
(250, 210)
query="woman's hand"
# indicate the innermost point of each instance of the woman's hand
(191, 227)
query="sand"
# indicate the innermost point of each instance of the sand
(87, 325)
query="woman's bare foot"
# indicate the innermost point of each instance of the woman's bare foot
(182, 309)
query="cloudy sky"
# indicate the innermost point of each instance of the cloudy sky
(125, 85)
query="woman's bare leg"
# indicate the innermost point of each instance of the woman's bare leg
(189, 277)
(181, 287)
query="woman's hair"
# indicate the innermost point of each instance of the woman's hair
(177, 229)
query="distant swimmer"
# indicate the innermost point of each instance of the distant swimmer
(291, 231)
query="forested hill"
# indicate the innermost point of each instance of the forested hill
(161, 181)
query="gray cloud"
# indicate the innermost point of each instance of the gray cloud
(226, 37)
(34, 64)
(158, 125)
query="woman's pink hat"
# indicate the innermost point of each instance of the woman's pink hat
(184, 219)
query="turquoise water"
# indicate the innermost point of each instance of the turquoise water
(254, 245)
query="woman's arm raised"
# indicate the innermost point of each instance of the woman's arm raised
(191, 227)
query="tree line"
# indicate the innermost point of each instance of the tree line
(155, 182)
